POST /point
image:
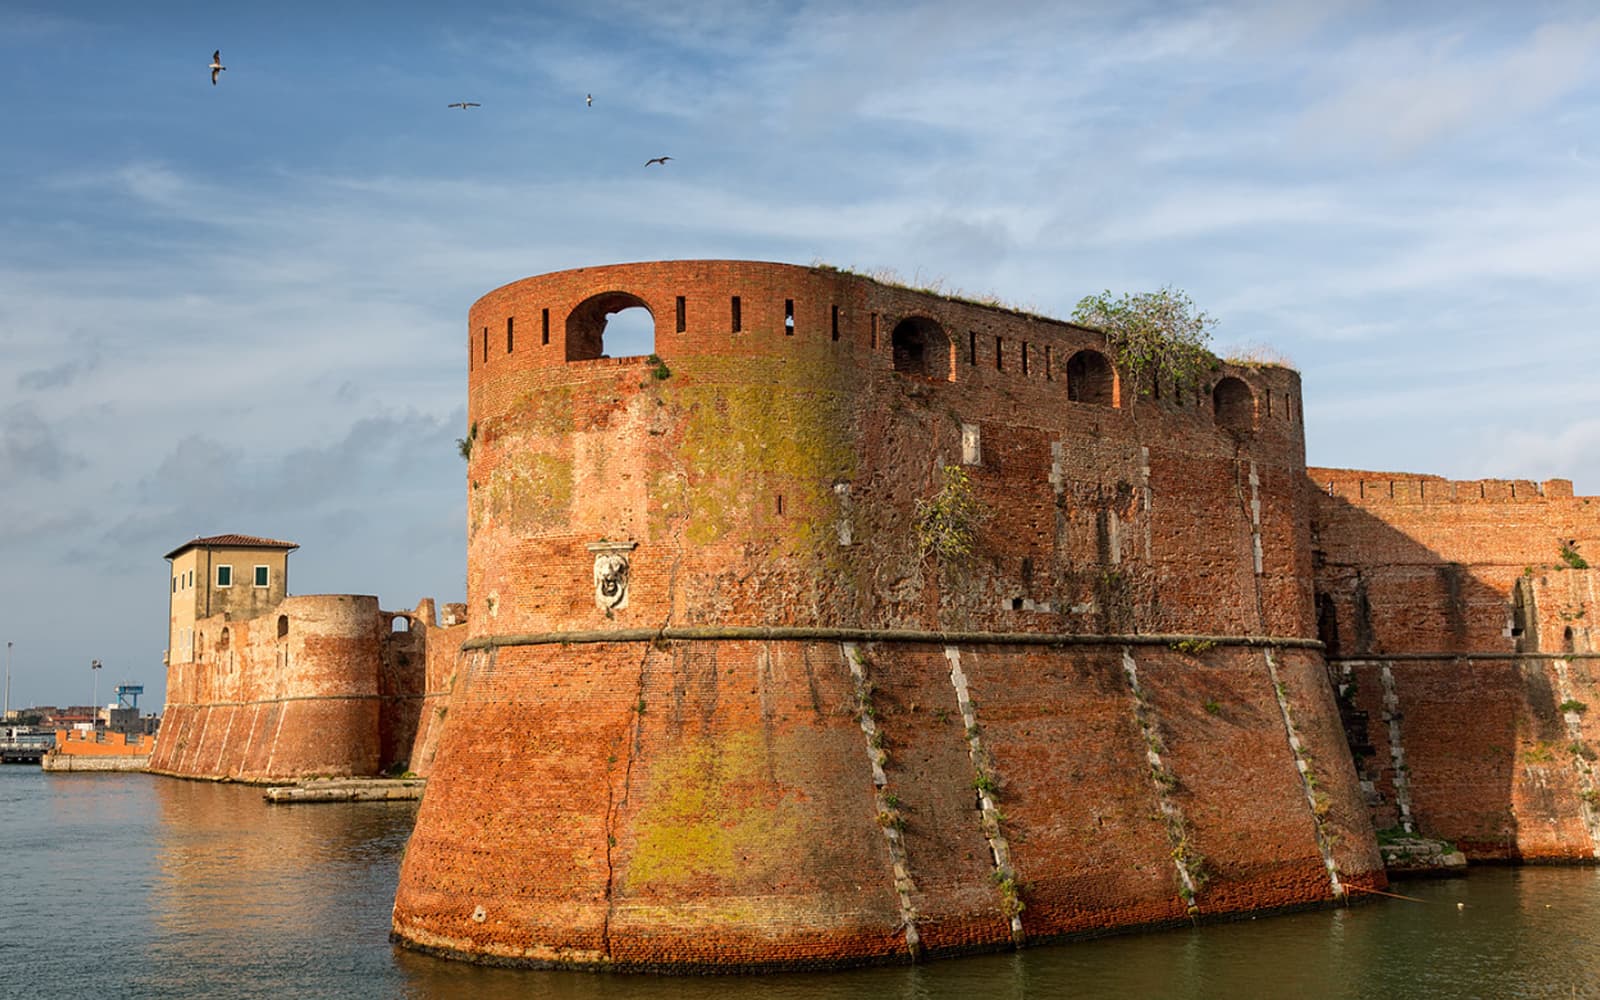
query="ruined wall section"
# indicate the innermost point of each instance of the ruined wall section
(443, 659)
(615, 789)
(306, 689)
(1460, 631)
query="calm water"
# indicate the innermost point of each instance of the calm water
(136, 886)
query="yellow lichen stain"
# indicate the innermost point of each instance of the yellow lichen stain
(727, 912)
(794, 437)
(547, 410)
(716, 815)
(532, 492)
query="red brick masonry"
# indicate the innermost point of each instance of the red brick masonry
(803, 742)
(1461, 634)
(323, 684)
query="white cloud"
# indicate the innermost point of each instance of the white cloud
(1403, 92)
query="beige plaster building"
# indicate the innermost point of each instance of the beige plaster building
(239, 575)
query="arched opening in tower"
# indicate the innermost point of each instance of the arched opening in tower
(921, 347)
(611, 324)
(1091, 379)
(1234, 405)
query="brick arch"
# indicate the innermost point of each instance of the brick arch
(586, 324)
(921, 347)
(1091, 379)
(1234, 405)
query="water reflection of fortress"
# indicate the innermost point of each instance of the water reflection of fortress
(716, 705)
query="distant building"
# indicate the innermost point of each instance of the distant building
(241, 576)
(264, 686)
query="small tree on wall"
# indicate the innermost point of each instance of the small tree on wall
(947, 522)
(1153, 337)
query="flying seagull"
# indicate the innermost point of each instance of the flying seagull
(464, 105)
(216, 66)
(588, 100)
(657, 159)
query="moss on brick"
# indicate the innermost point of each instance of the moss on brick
(534, 492)
(738, 438)
(715, 815)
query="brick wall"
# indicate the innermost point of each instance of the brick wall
(320, 685)
(443, 658)
(721, 802)
(1460, 632)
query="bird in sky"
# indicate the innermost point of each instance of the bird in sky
(657, 159)
(216, 66)
(464, 105)
(588, 100)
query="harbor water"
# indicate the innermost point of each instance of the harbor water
(129, 885)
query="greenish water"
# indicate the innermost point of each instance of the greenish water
(136, 886)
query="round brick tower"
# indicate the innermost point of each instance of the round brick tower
(858, 624)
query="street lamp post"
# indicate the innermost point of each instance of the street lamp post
(8, 682)
(94, 697)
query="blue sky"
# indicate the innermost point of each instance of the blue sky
(241, 308)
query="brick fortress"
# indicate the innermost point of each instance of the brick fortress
(267, 687)
(721, 711)
(715, 707)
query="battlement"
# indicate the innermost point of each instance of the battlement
(1363, 487)
(790, 420)
(723, 312)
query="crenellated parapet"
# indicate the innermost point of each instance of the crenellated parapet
(1458, 616)
(792, 418)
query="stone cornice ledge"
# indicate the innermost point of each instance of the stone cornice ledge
(807, 633)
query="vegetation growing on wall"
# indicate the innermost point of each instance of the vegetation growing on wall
(929, 286)
(464, 445)
(1153, 337)
(947, 522)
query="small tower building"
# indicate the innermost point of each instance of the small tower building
(239, 575)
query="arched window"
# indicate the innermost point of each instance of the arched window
(611, 324)
(283, 626)
(400, 623)
(921, 347)
(1091, 379)
(1234, 405)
